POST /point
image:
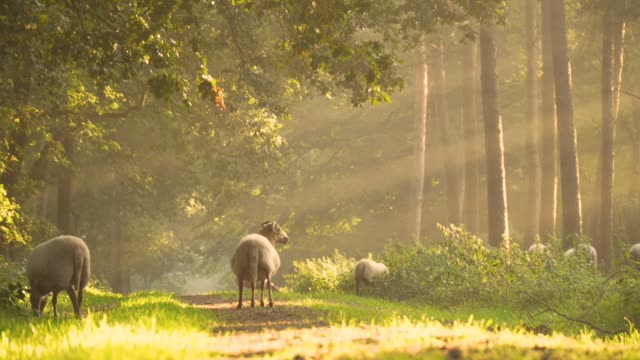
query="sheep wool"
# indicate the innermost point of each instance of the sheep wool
(61, 263)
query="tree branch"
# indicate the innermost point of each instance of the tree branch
(630, 94)
(567, 317)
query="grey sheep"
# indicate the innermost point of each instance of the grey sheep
(634, 252)
(366, 271)
(61, 263)
(256, 260)
(588, 252)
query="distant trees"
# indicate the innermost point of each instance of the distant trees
(613, 29)
(472, 148)
(567, 137)
(494, 145)
(454, 192)
(420, 142)
(548, 135)
(533, 167)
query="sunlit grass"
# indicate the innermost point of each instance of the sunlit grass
(155, 325)
(146, 325)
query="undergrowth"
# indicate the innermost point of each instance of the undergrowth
(549, 289)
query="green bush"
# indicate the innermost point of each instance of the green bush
(13, 285)
(328, 274)
(460, 270)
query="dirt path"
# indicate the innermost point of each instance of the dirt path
(283, 316)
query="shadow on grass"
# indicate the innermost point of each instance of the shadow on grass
(284, 315)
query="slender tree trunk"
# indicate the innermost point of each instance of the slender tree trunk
(64, 188)
(612, 28)
(533, 197)
(415, 207)
(118, 279)
(472, 149)
(454, 199)
(567, 137)
(549, 177)
(494, 145)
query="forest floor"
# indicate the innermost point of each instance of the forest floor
(306, 328)
(161, 325)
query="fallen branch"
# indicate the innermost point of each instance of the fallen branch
(567, 317)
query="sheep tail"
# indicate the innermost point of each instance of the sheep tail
(254, 257)
(78, 266)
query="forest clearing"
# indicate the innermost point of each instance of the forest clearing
(159, 325)
(399, 178)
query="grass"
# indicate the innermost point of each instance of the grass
(155, 325)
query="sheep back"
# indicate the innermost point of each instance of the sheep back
(255, 248)
(634, 252)
(58, 263)
(367, 270)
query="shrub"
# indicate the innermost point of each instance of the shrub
(13, 289)
(332, 274)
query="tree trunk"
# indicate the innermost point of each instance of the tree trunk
(416, 201)
(533, 198)
(472, 149)
(549, 177)
(613, 27)
(64, 188)
(494, 146)
(119, 276)
(567, 138)
(454, 199)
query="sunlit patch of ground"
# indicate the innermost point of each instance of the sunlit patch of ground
(293, 331)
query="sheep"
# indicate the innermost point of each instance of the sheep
(537, 249)
(256, 260)
(61, 263)
(634, 252)
(588, 252)
(366, 271)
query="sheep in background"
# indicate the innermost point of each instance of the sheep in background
(537, 249)
(367, 270)
(634, 252)
(61, 263)
(256, 260)
(588, 252)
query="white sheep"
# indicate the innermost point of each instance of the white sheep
(588, 252)
(256, 260)
(61, 263)
(634, 252)
(537, 248)
(367, 270)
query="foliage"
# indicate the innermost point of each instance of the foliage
(13, 286)
(333, 274)
(461, 270)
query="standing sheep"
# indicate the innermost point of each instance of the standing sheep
(256, 260)
(61, 263)
(367, 270)
(587, 252)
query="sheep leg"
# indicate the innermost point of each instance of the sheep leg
(357, 287)
(269, 288)
(253, 295)
(262, 293)
(240, 288)
(80, 298)
(42, 304)
(54, 302)
(74, 300)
